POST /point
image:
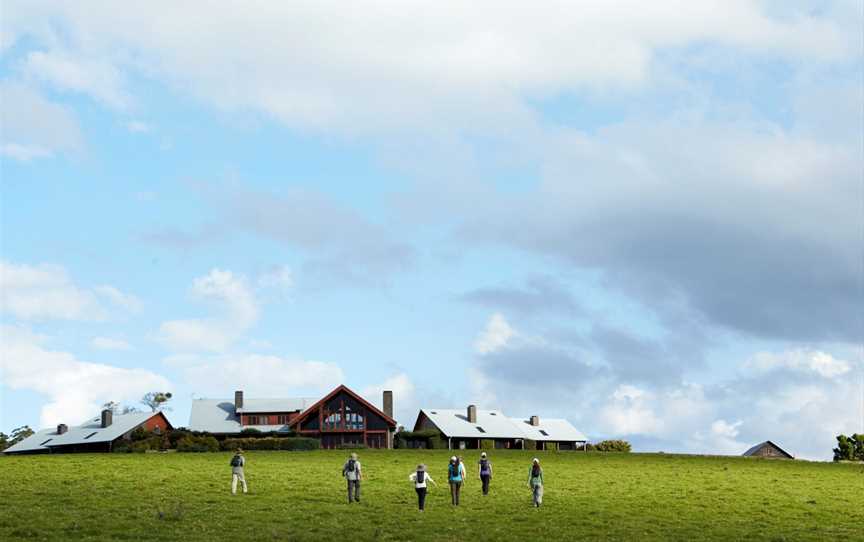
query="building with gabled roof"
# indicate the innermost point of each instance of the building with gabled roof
(769, 450)
(99, 434)
(342, 417)
(467, 428)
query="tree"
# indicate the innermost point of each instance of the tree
(117, 408)
(849, 448)
(18, 434)
(156, 400)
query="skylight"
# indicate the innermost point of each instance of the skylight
(90, 435)
(432, 412)
(544, 433)
(492, 414)
(481, 429)
(46, 442)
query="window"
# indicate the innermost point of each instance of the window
(157, 430)
(481, 429)
(282, 419)
(544, 433)
(253, 420)
(353, 420)
(332, 420)
(90, 435)
(432, 412)
(492, 414)
(46, 442)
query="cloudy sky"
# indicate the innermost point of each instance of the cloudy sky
(646, 217)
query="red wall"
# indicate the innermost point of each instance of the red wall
(157, 420)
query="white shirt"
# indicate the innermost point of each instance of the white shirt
(426, 478)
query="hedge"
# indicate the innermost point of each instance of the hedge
(197, 444)
(432, 437)
(610, 446)
(271, 443)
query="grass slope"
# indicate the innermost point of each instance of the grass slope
(301, 496)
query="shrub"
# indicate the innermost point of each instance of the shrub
(529, 444)
(197, 444)
(487, 444)
(551, 446)
(270, 443)
(611, 446)
(430, 438)
(351, 446)
(177, 435)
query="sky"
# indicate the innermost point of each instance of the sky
(644, 217)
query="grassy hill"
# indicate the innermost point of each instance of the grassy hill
(301, 496)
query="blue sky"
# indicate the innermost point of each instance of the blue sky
(648, 221)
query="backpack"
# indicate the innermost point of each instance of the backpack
(535, 471)
(454, 470)
(421, 475)
(236, 461)
(484, 466)
(350, 467)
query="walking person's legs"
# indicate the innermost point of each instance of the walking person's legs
(421, 497)
(357, 490)
(453, 492)
(458, 489)
(234, 484)
(485, 478)
(242, 478)
(350, 495)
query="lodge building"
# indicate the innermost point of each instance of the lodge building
(342, 417)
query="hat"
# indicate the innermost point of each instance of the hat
(453, 458)
(421, 467)
(482, 454)
(353, 455)
(536, 460)
(238, 451)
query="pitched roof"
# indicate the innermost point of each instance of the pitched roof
(493, 424)
(220, 416)
(352, 393)
(87, 433)
(550, 429)
(754, 449)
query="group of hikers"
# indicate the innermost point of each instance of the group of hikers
(352, 471)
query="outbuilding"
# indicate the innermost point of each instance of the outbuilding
(99, 434)
(769, 450)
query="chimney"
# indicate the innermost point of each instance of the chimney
(238, 400)
(535, 420)
(62, 428)
(472, 414)
(388, 403)
(107, 417)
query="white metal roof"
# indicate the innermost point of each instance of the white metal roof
(87, 433)
(288, 404)
(495, 425)
(219, 416)
(550, 429)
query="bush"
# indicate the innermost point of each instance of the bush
(350, 446)
(610, 446)
(430, 438)
(551, 446)
(487, 444)
(197, 444)
(270, 443)
(177, 435)
(529, 444)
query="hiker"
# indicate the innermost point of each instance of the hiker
(420, 479)
(353, 474)
(484, 467)
(455, 475)
(535, 482)
(237, 464)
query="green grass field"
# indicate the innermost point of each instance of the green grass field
(301, 496)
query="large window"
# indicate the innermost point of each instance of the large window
(343, 414)
(353, 420)
(332, 420)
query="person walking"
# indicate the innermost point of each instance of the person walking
(535, 482)
(455, 475)
(237, 464)
(421, 478)
(353, 473)
(484, 467)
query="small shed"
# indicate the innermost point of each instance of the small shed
(769, 450)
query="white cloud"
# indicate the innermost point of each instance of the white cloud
(23, 153)
(97, 77)
(34, 127)
(75, 389)
(808, 361)
(240, 312)
(138, 127)
(495, 336)
(311, 64)
(279, 278)
(107, 343)
(125, 301)
(259, 375)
